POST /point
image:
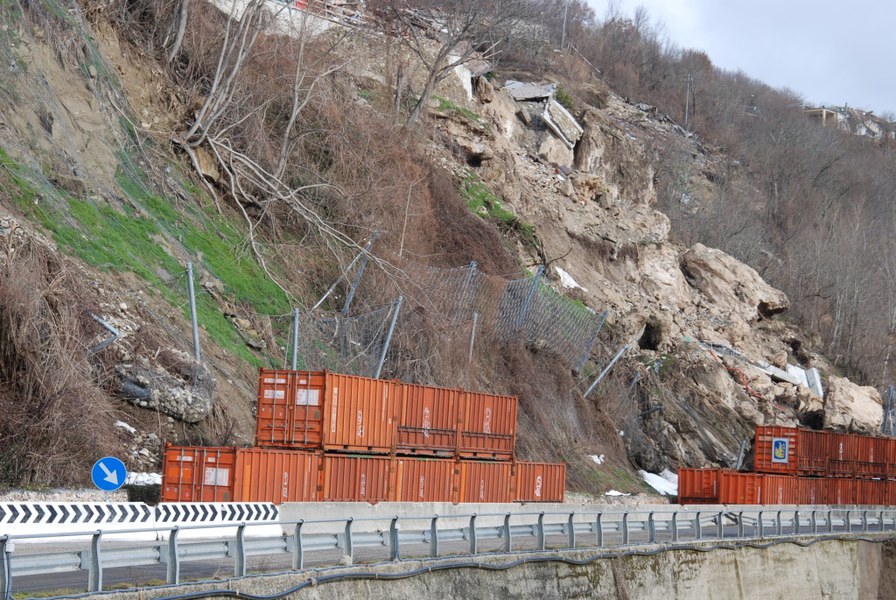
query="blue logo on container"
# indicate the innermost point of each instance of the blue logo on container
(780, 450)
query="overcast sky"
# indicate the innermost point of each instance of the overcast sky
(828, 52)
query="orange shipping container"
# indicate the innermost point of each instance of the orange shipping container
(427, 423)
(780, 489)
(776, 450)
(698, 485)
(424, 480)
(198, 474)
(740, 488)
(538, 482)
(814, 450)
(840, 491)
(349, 478)
(811, 490)
(871, 492)
(483, 481)
(488, 426)
(276, 476)
(319, 409)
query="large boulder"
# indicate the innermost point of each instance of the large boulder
(852, 408)
(730, 284)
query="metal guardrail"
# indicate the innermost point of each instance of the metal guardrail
(441, 536)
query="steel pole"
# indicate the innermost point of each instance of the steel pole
(196, 352)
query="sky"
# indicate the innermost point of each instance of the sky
(830, 53)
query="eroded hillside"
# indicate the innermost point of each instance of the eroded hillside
(119, 166)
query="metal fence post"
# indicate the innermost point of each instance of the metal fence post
(173, 568)
(357, 281)
(675, 526)
(830, 521)
(625, 528)
(599, 530)
(572, 531)
(796, 522)
(239, 552)
(196, 352)
(540, 532)
(606, 369)
(740, 524)
(388, 341)
(698, 533)
(586, 349)
(95, 570)
(394, 543)
(720, 526)
(474, 546)
(760, 525)
(298, 552)
(779, 527)
(651, 528)
(849, 521)
(473, 336)
(295, 338)
(881, 517)
(349, 550)
(814, 521)
(434, 537)
(864, 520)
(507, 542)
(6, 548)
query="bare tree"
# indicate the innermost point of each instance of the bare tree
(445, 34)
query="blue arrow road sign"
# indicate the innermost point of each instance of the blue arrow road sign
(109, 474)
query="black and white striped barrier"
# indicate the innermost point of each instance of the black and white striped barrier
(24, 518)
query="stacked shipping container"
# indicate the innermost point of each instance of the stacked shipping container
(800, 466)
(360, 439)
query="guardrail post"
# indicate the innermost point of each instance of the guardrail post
(173, 568)
(6, 548)
(298, 551)
(720, 526)
(698, 533)
(599, 529)
(507, 542)
(474, 547)
(651, 528)
(675, 526)
(760, 525)
(349, 550)
(796, 522)
(625, 528)
(572, 531)
(740, 524)
(778, 524)
(814, 522)
(540, 532)
(239, 552)
(881, 520)
(830, 521)
(95, 570)
(434, 537)
(864, 520)
(394, 543)
(849, 521)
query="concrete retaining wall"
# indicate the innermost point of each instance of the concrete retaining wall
(830, 569)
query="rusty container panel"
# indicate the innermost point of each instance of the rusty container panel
(844, 455)
(290, 409)
(871, 492)
(840, 490)
(811, 490)
(198, 474)
(740, 488)
(814, 451)
(278, 476)
(696, 486)
(488, 426)
(428, 419)
(348, 478)
(483, 481)
(776, 449)
(424, 480)
(891, 492)
(359, 414)
(780, 489)
(873, 458)
(538, 482)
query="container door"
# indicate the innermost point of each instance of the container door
(290, 408)
(428, 419)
